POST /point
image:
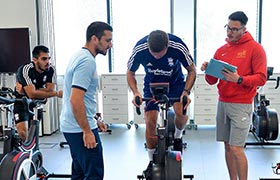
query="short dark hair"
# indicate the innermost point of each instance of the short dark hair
(158, 40)
(97, 28)
(38, 49)
(239, 16)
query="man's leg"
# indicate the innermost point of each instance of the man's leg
(86, 163)
(180, 119)
(240, 162)
(151, 132)
(21, 117)
(151, 139)
(180, 123)
(240, 116)
(230, 162)
(22, 129)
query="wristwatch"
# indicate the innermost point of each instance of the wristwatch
(188, 91)
(240, 79)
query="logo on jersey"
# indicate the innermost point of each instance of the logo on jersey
(241, 54)
(45, 78)
(160, 72)
(170, 62)
(149, 64)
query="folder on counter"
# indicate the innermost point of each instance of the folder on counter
(215, 68)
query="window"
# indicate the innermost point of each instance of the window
(270, 33)
(211, 18)
(131, 21)
(71, 18)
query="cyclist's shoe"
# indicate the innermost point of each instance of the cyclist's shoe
(148, 172)
(178, 145)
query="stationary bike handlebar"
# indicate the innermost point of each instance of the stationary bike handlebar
(29, 103)
(164, 100)
(277, 79)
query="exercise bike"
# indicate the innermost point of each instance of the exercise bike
(167, 163)
(265, 120)
(23, 160)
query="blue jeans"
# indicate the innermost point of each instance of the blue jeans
(87, 164)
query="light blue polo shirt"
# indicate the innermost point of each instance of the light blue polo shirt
(80, 73)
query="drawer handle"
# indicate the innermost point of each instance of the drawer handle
(115, 89)
(115, 109)
(207, 119)
(207, 109)
(115, 99)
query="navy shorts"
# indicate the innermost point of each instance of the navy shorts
(174, 92)
(86, 163)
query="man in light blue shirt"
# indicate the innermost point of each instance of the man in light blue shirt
(77, 121)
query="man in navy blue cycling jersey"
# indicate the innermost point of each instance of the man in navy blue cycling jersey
(162, 55)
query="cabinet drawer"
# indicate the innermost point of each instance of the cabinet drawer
(200, 79)
(109, 89)
(205, 110)
(113, 79)
(205, 99)
(115, 119)
(273, 98)
(140, 78)
(138, 119)
(205, 120)
(113, 99)
(205, 89)
(115, 109)
(269, 88)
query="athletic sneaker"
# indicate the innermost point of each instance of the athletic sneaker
(178, 145)
(148, 172)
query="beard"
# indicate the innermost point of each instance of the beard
(45, 68)
(100, 51)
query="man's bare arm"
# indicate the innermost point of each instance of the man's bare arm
(132, 83)
(34, 93)
(191, 77)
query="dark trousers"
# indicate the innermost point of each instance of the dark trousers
(87, 164)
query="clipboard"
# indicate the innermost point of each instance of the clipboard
(215, 68)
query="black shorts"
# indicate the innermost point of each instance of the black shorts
(22, 114)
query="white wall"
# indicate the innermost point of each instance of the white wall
(19, 13)
(13, 14)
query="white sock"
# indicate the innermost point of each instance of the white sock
(150, 154)
(178, 133)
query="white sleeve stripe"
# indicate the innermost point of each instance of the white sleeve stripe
(25, 73)
(137, 49)
(183, 49)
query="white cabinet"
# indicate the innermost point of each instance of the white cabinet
(115, 99)
(205, 102)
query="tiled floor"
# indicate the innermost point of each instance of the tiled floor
(126, 156)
